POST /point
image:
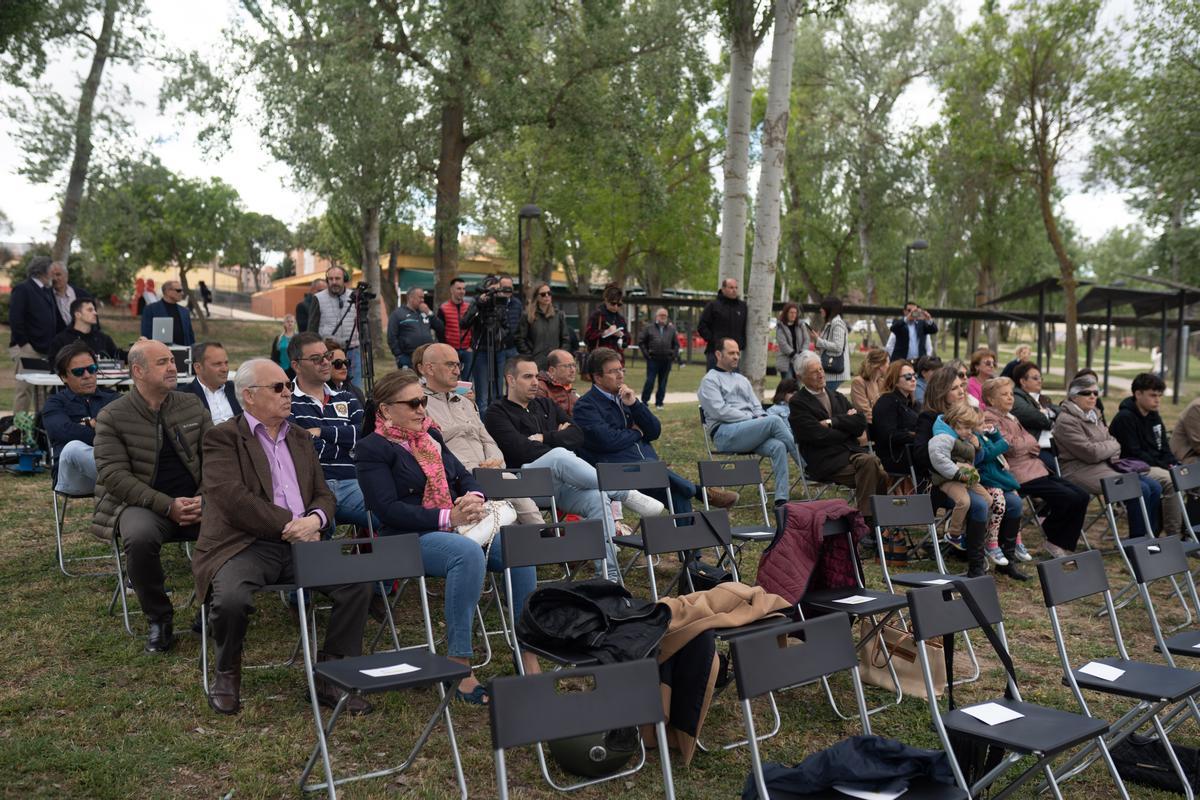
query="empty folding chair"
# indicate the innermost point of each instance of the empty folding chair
(735, 474)
(60, 501)
(1154, 687)
(1020, 729)
(665, 534)
(328, 563)
(1186, 480)
(765, 662)
(1153, 560)
(641, 476)
(622, 695)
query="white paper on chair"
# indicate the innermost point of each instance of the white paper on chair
(853, 600)
(1102, 671)
(1196, 646)
(387, 672)
(935, 582)
(992, 713)
(865, 794)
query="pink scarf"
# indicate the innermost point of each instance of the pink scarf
(428, 455)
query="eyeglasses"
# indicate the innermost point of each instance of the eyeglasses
(277, 388)
(962, 374)
(316, 360)
(1034, 377)
(908, 376)
(414, 404)
(988, 362)
(615, 371)
(1088, 393)
(90, 369)
(340, 363)
(454, 366)
(543, 294)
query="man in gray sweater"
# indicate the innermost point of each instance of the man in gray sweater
(736, 421)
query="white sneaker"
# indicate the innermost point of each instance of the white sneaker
(643, 505)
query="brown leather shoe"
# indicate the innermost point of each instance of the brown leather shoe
(224, 695)
(328, 695)
(722, 498)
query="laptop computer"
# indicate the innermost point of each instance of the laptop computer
(163, 330)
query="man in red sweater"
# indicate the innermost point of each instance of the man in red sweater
(451, 314)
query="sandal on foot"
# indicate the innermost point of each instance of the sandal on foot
(479, 696)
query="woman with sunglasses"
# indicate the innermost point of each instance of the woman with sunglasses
(1087, 453)
(415, 485)
(542, 328)
(339, 379)
(983, 369)
(894, 417)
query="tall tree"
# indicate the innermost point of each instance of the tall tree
(251, 237)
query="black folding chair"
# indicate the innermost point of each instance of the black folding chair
(531, 709)
(1154, 560)
(639, 476)
(769, 661)
(1045, 733)
(736, 474)
(330, 563)
(665, 534)
(801, 477)
(60, 501)
(1154, 687)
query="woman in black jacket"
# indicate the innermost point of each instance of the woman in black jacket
(415, 485)
(894, 417)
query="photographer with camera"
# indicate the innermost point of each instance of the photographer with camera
(488, 320)
(332, 315)
(912, 334)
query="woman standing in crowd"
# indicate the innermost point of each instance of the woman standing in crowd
(983, 368)
(867, 385)
(415, 485)
(925, 366)
(542, 327)
(339, 379)
(1064, 504)
(1087, 451)
(894, 418)
(791, 339)
(606, 327)
(1023, 355)
(279, 345)
(834, 342)
(1034, 410)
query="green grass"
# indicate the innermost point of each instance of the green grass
(83, 712)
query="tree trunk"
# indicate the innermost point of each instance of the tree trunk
(369, 231)
(864, 250)
(200, 320)
(387, 287)
(760, 289)
(1045, 185)
(69, 219)
(736, 191)
(449, 195)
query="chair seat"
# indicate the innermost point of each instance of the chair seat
(881, 602)
(751, 627)
(753, 533)
(431, 668)
(1183, 644)
(1041, 730)
(1142, 681)
(565, 658)
(1191, 548)
(75, 496)
(920, 789)
(918, 579)
(633, 540)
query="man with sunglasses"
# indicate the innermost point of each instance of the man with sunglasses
(332, 419)
(412, 325)
(148, 463)
(171, 305)
(210, 363)
(69, 417)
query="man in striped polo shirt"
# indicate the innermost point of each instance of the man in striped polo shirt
(332, 419)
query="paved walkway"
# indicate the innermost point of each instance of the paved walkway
(226, 312)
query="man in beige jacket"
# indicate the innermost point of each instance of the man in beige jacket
(458, 418)
(1185, 438)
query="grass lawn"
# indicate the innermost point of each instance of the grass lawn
(85, 713)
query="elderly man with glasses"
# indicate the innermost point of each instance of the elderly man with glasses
(332, 419)
(170, 306)
(557, 381)
(69, 417)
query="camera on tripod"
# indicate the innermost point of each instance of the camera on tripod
(362, 292)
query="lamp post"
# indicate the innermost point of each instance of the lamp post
(919, 244)
(528, 211)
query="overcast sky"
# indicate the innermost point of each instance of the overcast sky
(263, 183)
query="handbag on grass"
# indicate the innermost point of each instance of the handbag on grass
(497, 514)
(872, 661)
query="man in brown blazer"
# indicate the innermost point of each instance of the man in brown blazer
(264, 490)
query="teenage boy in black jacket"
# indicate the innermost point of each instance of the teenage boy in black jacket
(1143, 435)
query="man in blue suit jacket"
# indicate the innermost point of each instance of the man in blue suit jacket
(619, 428)
(33, 317)
(170, 306)
(212, 385)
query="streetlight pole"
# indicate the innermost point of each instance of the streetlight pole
(528, 211)
(919, 244)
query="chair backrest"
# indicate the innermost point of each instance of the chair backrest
(1120, 488)
(732, 472)
(328, 563)
(624, 694)
(839, 526)
(636, 475)
(1186, 477)
(664, 534)
(558, 543)
(1152, 559)
(892, 511)
(1072, 577)
(939, 610)
(790, 654)
(534, 482)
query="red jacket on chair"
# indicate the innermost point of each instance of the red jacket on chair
(802, 559)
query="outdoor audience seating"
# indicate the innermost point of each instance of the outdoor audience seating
(621, 695)
(1042, 732)
(639, 476)
(801, 476)
(1154, 687)
(769, 661)
(665, 534)
(60, 501)
(736, 474)
(124, 588)
(1186, 480)
(338, 561)
(1154, 560)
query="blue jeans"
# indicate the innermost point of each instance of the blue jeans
(1152, 496)
(462, 563)
(1012, 505)
(466, 358)
(579, 493)
(485, 394)
(404, 360)
(656, 368)
(355, 356)
(76, 469)
(348, 499)
(833, 385)
(769, 436)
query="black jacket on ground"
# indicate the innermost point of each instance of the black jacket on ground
(511, 426)
(893, 425)
(596, 619)
(723, 318)
(1145, 438)
(826, 448)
